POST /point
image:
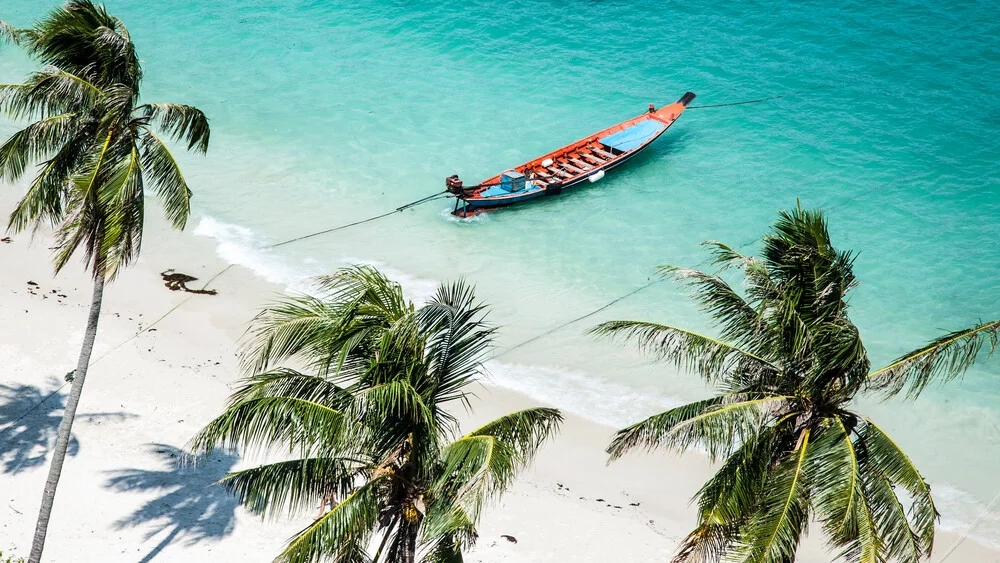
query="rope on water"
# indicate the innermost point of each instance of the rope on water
(577, 319)
(437, 195)
(759, 100)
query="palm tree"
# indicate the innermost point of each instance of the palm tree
(788, 362)
(368, 426)
(98, 150)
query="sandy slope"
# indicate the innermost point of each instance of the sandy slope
(123, 497)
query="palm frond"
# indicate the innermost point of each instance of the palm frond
(287, 487)
(481, 465)
(34, 143)
(286, 382)
(524, 431)
(727, 501)
(83, 38)
(475, 469)
(838, 496)
(447, 529)
(166, 178)
(8, 33)
(356, 306)
(374, 293)
(48, 92)
(774, 532)
(710, 358)
(82, 226)
(122, 200)
(945, 358)
(899, 540)
(44, 200)
(392, 400)
(458, 339)
(718, 424)
(182, 123)
(884, 457)
(258, 424)
(724, 256)
(341, 535)
(737, 318)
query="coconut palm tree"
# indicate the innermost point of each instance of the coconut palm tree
(367, 428)
(788, 362)
(98, 151)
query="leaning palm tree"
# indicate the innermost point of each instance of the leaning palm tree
(788, 362)
(97, 151)
(367, 428)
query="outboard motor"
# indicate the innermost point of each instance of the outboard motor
(454, 185)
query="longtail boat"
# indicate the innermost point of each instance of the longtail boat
(586, 159)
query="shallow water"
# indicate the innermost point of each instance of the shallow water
(327, 112)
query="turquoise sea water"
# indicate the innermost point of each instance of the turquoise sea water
(326, 112)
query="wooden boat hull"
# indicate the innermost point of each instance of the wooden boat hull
(585, 160)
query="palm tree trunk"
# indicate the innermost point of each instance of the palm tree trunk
(66, 426)
(410, 548)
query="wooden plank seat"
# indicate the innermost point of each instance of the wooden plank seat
(580, 163)
(603, 153)
(593, 158)
(570, 167)
(559, 172)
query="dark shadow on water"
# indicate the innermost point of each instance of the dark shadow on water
(189, 506)
(29, 422)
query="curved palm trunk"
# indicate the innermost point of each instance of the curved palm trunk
(66, 426)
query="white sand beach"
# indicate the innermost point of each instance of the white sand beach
(124, 498)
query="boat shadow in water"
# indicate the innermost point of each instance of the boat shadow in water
(29, 423)
(190, 505)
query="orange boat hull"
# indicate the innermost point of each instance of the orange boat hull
(586, 159)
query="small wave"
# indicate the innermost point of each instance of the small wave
(963, 514)
(600, 401)
(239, 245)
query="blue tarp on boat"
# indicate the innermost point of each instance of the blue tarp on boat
(493, 191)
(634, 136)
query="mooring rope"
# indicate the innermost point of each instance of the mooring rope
(965, 535)
(431, 197)
(577, 319)
(759, 100)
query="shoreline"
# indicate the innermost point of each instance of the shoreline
(148, 395)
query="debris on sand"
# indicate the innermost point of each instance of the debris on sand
(176, 281)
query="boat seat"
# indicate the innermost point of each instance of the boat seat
(559, 172)
(603, 153)
(593, 158)
(570, 167)
(580, 163)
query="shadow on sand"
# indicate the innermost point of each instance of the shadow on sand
(29, 423)
(189, 505)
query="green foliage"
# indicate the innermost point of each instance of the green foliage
(10, 558)
(367, 427)
(789, 362)
(95, 144)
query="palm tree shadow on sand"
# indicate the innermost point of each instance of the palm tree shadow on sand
(190, 506)
(29, 421)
